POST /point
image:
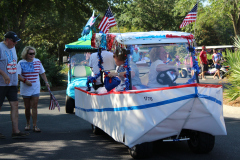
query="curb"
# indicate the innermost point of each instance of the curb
(230, 111)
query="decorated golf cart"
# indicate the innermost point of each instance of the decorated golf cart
(164, 106)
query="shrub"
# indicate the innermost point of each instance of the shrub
(233, 60)
(53, 71)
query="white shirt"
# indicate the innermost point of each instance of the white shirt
(108, 63)
(30, 71)
(152, 83)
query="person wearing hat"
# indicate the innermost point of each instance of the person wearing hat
(135, 56)
(203, 62)
(9, 79)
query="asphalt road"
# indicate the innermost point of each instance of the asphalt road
(66, 136)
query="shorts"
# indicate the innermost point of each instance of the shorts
(204, 67)
(217, 66)
(10, 92)
(35, 95)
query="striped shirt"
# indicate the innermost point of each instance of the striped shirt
(30, 71)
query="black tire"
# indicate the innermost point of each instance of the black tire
(69, 105)
(140, 151)
(201, 142)
(183, 73)
(222, 74)
(96, 130)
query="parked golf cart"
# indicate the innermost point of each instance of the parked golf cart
(179, 110)
(78, 69)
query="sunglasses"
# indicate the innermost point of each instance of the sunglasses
(13, 41)
(31, 53)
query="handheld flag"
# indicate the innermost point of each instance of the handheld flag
(191, 17)
(107, 21)
(53, 101)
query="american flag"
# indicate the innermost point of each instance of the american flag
(53, 101)
(191, 17)
(107, 21)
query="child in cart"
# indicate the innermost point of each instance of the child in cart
(120, 56)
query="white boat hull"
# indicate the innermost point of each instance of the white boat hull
(135, 117)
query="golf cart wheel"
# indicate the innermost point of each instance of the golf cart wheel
(222, 74)
(70, 104)
(96, 130)
(201, 142)
(183, 73)
(140, 151)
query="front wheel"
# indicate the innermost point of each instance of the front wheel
(201, 142)
(70, 104)
(222, 74)
(183, 73)
(140, 151)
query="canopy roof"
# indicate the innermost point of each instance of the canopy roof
(153, 37)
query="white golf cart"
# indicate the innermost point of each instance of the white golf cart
(173, 109)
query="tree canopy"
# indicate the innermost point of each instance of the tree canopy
(50, 24)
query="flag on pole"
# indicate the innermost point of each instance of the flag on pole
(191, 17)
(107, 21)
(53, 101)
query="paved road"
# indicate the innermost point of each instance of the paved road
(65, 136)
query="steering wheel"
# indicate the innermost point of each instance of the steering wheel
(167, 77)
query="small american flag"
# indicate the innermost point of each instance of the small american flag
(191, 17)
(107, 21)
(53, 101)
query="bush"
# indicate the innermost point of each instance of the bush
(233, 60)
(53, 71)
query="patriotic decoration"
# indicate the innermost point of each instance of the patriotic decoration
(53, 101)
(107, 21)
(12, 67)
(191, 17)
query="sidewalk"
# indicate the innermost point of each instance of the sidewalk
(232, 112)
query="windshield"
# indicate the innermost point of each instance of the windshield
(160, 65)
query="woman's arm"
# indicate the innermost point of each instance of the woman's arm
(44, 77)
(24, 80)
(164, 67)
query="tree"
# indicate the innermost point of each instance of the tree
(230, 8)
(147, 15)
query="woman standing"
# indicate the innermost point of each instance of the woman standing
(216, 60)
(28, 70)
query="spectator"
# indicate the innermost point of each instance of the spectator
(216, 60)
(108, 64)
(29, 69)
(9, 79)
(203, 62)
(135, 55)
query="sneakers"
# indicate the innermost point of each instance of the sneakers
(19, 135)
(2, 136)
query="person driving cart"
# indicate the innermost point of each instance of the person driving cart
(157, 56)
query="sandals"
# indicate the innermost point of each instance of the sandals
(2, 136)
(36, 129)
(27, 128)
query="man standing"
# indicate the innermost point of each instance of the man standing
(108, 64)
(203, 62)
(9, 79)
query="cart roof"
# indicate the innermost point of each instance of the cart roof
(80, 46)
(153, 37)
(217, 47)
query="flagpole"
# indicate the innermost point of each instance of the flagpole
(117, 23)
(196, 19)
